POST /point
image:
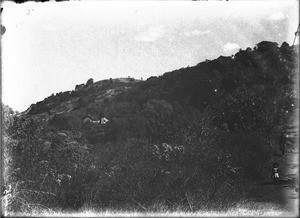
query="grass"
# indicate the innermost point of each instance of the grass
(248, 209)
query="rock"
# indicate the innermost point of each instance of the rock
(62, 134)
(46, 145)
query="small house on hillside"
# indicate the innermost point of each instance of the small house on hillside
(104, 120)
(89, 119)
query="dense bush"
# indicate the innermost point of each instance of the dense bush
(66, 121)
(45, 171)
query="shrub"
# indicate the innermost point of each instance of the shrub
(66, 121)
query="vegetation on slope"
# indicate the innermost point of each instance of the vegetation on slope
(188, 139)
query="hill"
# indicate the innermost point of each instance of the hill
(180, 141)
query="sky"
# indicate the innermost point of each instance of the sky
(51, 47)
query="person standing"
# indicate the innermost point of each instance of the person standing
(275, 173)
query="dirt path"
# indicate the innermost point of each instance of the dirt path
(285, 194)
(290, 172)
(289, 188)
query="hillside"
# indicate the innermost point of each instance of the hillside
(180, 141)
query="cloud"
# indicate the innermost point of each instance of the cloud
(228, 47)
(152, 34)
(196, 32)
(277, 16)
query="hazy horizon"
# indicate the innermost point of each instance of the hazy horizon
(51, 47)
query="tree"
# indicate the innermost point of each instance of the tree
(159, 120)
(266, 46)
(241, 109)
(89, 82)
